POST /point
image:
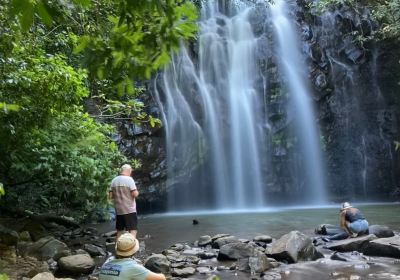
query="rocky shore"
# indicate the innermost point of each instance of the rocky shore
(32, 251)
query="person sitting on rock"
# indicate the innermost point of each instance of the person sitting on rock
(352, 221)
(123, 267)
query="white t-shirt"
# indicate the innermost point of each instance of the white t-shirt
(121, 187)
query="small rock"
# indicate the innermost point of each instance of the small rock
(43, 276)
(234, 251)
(25, 236)
(46, 248)
(259, 263)
(220, 235)
(157, 263)
(76, 264)
(178, 247)
(204, 240)
(8, 237)
(263, 238)
(110, 234)
(195, 222)
(184, 272)
(203, 270)
(218, 243)
(94, 250)
(380, 231)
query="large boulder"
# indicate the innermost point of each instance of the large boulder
(157, 263)
(384, 247)
(380, 231)
(45, 248)
(293, 247)
(351, 244)
(76, 264)
(219, 242)
(234, 251)
(259, 263)
(7, 236)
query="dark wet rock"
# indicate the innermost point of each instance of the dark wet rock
(157, 263)
(351, 244)
(8, 237)
(76, 264)
(222, 268)
(234, 251)
(328, 229)
(35, 230)
(380, 231)
(218, 243)
(184, 272)
(384, 247)
(204, 240)
(259, 263)
(207, 255)
(94, 250)
(195, 222)
(263, 238)
(348, 256)
(45, 248)
(294, 247)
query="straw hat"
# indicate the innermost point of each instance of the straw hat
(126, 245)
(346, 205)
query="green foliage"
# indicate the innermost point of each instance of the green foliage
(3, 276)
(387, 13)
(2, 192)
(71, 162)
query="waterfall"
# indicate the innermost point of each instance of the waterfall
(293, 70)
(213, 105)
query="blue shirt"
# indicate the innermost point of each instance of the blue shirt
(123, 269)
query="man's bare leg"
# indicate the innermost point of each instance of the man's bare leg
(119, 233)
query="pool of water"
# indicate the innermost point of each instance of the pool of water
(163, 230)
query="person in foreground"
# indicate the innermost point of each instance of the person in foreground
(123, 192)
(352, 221)
(123, 267)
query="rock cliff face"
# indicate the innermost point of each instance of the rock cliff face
(355, 86)
(356, 94)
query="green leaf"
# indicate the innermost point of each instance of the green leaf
(44, 13)
(82, 43)
(2, 191)
(83, 3)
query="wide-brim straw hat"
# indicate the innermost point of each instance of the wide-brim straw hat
(346, 205)
(126, 245)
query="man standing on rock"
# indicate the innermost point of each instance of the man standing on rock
(123, 192)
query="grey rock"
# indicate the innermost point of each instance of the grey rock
(44, 276)
(351, 244)
(243, 265)
(94, 250)
(380, 231)
(184, 272)
(178, 247)
(259, 263)
(110, 233)
(384, 247)
(263, 238)
(220, 235)
(76, 264)
(234, 251)
(157, 263)
(204, 240)
(293, 247)
(207, 255)
(203, 270)
(348, 256)
(45, 248)
(218, 243)
(272, 276)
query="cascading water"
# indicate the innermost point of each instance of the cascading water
(214, 113)
(294, 75)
